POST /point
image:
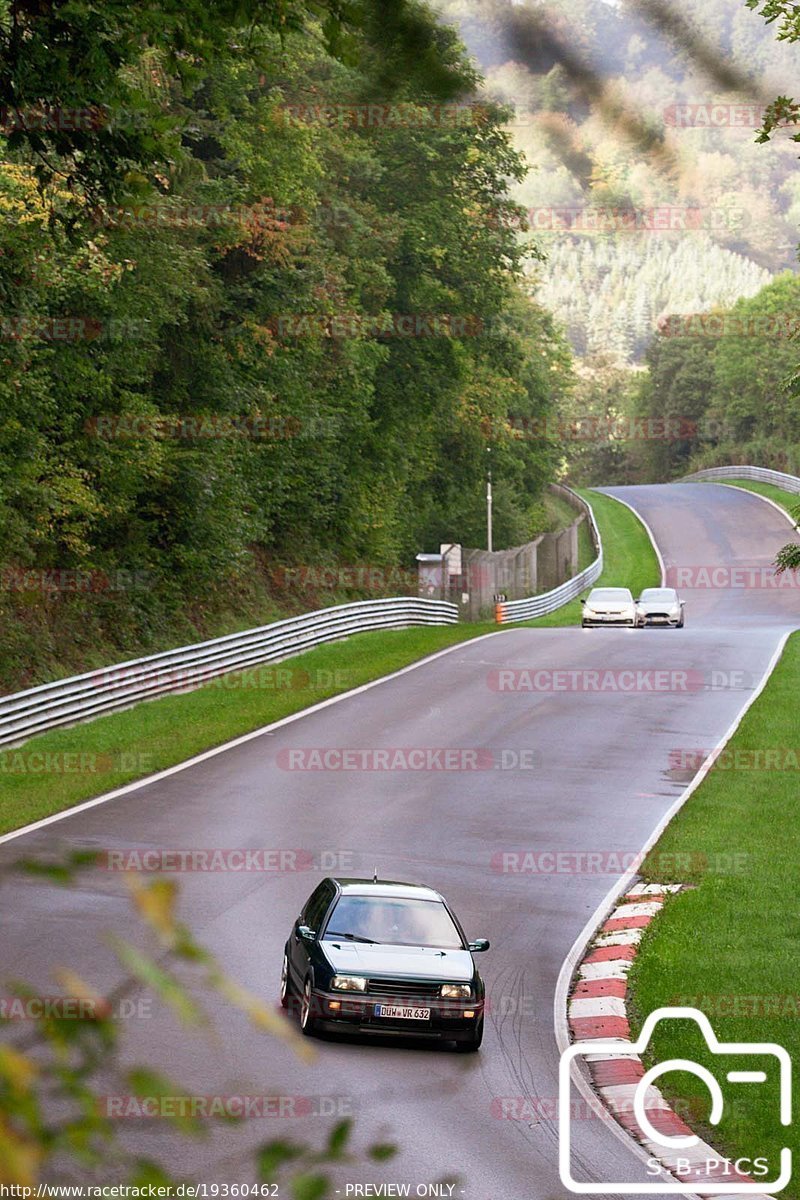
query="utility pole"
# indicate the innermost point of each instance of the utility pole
(489, 500)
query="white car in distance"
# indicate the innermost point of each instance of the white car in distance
(660, 606)
(609, 606)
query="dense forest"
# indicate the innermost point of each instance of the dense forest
(262, 304)
(276, 277)
(717, 388)
(611, 296)
(668, 230)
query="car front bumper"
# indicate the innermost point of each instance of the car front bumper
(658, 619)
(349, 1012)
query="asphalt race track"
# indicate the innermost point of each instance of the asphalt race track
(599, 770)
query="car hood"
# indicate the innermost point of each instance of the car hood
(657, 606)
(393, 962)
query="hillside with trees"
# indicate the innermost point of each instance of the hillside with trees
(648, 192)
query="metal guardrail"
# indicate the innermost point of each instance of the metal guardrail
(789, 483)
(547, 602)
(67, 701)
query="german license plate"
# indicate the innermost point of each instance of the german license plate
(398, 1012)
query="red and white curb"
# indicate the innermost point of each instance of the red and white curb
(597, 1012)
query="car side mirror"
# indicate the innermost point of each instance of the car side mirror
(479, 945)
(306, 933)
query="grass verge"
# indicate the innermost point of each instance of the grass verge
(57, 770)
(629, 558)
(728, 947)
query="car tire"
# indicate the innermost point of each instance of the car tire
(680, 624)
(474, 1042)
(308, 1022)
(286, 984)
(585, 625)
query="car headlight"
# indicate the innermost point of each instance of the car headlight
(456, 991)
(349, 983)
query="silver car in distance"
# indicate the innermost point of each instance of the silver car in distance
(609, 606)
(660, 606)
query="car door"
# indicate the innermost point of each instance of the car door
(312, 915)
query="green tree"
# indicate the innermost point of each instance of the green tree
(326, 252)
(675, 395)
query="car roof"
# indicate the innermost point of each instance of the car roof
(385, 888)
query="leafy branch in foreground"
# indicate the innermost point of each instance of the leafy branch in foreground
(56, 1077)
(788, 557)
(783, 111)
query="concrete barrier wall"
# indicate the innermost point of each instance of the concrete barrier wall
(538, 566)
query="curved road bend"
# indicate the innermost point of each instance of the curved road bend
(605, 772)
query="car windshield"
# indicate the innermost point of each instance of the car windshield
(659, 594)
(610, 594)
(393, 921)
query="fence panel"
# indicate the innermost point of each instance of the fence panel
(547, 602)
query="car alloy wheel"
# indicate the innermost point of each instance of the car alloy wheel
(308, 1022)
(286, 984)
